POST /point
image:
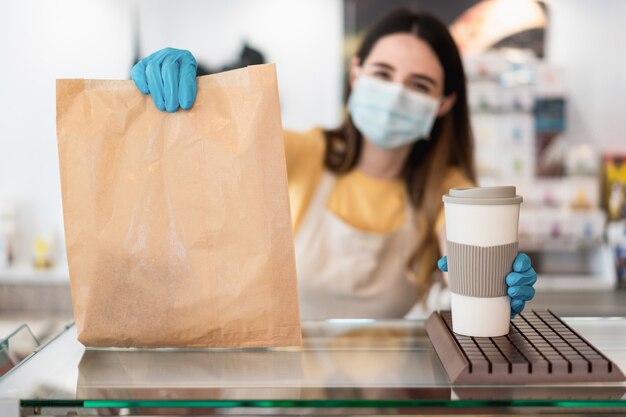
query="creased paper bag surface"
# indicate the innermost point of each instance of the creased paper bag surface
(177, 225)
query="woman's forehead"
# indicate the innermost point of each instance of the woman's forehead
(406, 54)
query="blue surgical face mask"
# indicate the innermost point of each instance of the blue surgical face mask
(388, 114)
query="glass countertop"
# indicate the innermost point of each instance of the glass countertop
(351, 364)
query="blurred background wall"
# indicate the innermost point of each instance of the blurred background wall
(585, 39)
(41, 41)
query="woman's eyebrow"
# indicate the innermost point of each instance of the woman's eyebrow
(383, 65)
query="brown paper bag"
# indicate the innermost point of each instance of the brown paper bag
(177, 225)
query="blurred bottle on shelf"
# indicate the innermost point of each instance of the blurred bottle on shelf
(616, 235)
(614, 190)
(7, 232)
(616, 201)
(43, 245)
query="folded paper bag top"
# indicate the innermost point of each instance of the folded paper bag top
(177, 225)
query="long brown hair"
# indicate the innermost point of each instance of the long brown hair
(450, 143)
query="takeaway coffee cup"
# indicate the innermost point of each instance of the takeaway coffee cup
(481, 231)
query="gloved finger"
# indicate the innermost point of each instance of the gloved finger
(517, 306)
(527, 278)
(442, 264)
(138, 75)
(521, 262)
(170, 74)
(521, 293)
(188, 87)
(155, 83)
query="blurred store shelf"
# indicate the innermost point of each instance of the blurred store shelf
(24, 273)
(26, 290)
(581, 303)
(42, 300)
(39, 298)
(561, 244)
(572, 283)
(572, 264)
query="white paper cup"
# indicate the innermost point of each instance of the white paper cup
(481, 231)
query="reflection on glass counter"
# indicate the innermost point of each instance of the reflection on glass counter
(342, 364)
(15, 347)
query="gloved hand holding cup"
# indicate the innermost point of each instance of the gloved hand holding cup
(482, 245)
(520, 281)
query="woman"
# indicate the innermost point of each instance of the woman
(366, 197)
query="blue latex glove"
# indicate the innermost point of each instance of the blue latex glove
(520, 281)
(170, 76)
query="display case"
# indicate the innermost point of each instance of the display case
(353, 367)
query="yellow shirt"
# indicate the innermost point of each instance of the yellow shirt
(364, 202)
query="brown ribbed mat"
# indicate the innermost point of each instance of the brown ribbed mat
(540, 347)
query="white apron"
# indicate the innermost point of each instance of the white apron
(347, 273)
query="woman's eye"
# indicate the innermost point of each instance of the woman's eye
(382, 75)
(421, 87)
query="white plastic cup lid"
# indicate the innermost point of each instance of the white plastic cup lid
(483, 196)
